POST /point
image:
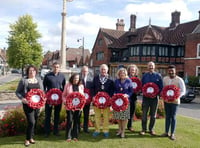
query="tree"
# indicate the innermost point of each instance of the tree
(23, 46)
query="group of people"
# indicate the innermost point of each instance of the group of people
(100, 83)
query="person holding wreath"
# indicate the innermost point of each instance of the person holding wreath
(154, 80)
(171, 104)
(102, 83)
(52, 80)
(132, 72)
(124, 86)
(74, 85)
(25, 85)
(87, 82)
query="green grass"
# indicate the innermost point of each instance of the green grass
(187, 133)
(10, 86)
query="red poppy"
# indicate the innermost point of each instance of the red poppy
(137, 84)
(75, 101)
(88, 96)
(170, 93)
(36, 98)
(119, 102)
(54, 96)
(150, 90)
(101, 100)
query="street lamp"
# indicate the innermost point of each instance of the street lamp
(78, 40)
(63, 35)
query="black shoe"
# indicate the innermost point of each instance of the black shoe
(86, 131)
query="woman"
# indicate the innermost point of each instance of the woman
(123, 85)
(132, 72)
(24, 86)
(74, 85)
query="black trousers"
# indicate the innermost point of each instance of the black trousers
(132, 110)
(31, 116)
(48, 111)
(72, 125)
(86, 112)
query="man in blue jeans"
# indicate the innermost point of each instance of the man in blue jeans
(171, 106)
(150, 103)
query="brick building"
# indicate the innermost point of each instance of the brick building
(178, 44)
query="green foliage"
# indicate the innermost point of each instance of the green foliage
(23, 46)
(10, 86)
(193, 81)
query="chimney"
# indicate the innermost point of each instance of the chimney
(132, 23)
(175, 19)
(120, 25)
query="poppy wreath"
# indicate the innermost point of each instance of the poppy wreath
(54, 96)
(36, 98)
(137, 84)
(75, 101)
(170, 93)
(150, 90)
(119, 102)
(88, 96)
(101, 100)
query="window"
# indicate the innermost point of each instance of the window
(172, 52)
(180, 52)
(198, 71)
(100, 42)
(163, 51)
(198, 50)
(99, 56)
(135, 51)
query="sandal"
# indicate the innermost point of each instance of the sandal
(32, 141)
(26, 143)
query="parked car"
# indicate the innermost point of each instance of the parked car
(189, 95)
(44, 72)
(15, 71)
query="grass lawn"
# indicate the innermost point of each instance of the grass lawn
(187, 133)
(10, 86)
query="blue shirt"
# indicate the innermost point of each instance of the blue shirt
(54, 81)
(153, 77)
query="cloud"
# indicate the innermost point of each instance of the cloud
(160, 13)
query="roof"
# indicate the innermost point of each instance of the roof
(150, 34)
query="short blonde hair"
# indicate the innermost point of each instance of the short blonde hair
(122, 69)
(135, 66)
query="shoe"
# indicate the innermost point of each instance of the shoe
(152, 133)
(26, 143)
(142, 133)
(95, 134)
(118, 134)
(32, 141)
(106, 135)
(172, 137)
(86, 131)
(164, 135)
(75, 139)
(122, 135)
(131, 129)
(68, 140)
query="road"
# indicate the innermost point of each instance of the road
(9, 77)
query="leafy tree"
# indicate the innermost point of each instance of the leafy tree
(23, 46)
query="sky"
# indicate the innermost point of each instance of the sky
(85, 17)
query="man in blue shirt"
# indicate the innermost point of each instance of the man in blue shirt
(54, 79)
(150, 103)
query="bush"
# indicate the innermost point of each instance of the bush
(14, 120)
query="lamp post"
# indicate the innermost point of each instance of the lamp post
(63, 36)
(82, 49)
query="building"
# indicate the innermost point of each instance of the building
(74, 57)
(178, 44)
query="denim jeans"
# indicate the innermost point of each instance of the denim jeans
(170, 116)
(152, 104)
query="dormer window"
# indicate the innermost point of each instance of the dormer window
(100, 42)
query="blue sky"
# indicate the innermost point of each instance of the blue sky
(85, 17)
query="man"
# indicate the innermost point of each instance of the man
(172, 106)
(150, 103)
(103, 83)
(54, 79)
(87, 82)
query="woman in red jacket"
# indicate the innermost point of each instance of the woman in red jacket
(74, 85)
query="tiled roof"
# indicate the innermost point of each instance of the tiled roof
(150, 34)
